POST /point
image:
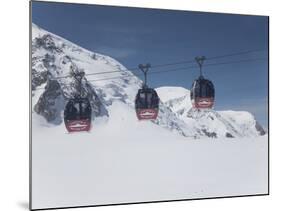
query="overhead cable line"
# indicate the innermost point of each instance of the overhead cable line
(169, 64)
(179, 69)
(176, 69)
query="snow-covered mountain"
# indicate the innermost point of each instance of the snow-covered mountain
(209, 122)
(54, 57)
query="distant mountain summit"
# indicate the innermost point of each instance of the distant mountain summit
(210, 122)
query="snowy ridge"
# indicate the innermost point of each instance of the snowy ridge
(209, 122)
(54, 57)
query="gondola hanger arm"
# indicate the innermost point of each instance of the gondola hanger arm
(144, 68)
(200, 60)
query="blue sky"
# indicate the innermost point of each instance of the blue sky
(136, 35)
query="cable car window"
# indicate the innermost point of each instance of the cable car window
(76, 106)
(71, 112)
(141, 100)
(149, 99)
(197, 89)
(204, 91)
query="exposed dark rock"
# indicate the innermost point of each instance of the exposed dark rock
(47, 42)
(209, 134)
(38, 78)
(229, 135)
(260, 129)
(51, 103)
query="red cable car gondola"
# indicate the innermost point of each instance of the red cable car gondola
(147, 100)
(77, 115)
(147, 104)
(202, 92)
(78, 111)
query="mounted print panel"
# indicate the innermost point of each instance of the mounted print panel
(133, 105)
